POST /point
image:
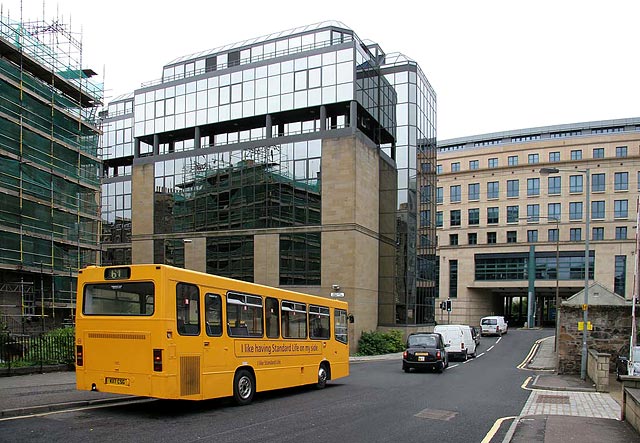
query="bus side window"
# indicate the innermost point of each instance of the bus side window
(272, 318)
(213, 310)
(187, 309)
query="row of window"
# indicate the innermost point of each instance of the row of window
(554, 212)
(554, 187)
(254, 316)
(575, 234)
(532, 159)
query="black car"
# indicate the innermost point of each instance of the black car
(425, 351)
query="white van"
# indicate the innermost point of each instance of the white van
(459, 339)
(493, 325)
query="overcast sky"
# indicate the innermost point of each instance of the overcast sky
(495, 65)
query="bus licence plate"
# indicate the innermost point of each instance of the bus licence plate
(116, 381)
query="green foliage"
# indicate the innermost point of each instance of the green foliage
(54, 347)
(376, 343)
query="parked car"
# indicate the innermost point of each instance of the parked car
(425, 351)
(459, 338)
(493, 325)
(476, 335)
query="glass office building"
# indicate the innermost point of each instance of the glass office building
(300, 159)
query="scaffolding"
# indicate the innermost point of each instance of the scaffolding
(49, 166)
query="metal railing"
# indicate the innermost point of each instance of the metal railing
(35, 352)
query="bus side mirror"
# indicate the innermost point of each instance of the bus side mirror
(350, 317)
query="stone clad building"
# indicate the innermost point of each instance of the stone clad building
(301, 159)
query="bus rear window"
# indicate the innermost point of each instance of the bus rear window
(118, 299)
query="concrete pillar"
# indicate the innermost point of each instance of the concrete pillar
(156, 144)
(269, 126)
(196, 138)
(323, 118)
(353, 114)
(136, 147)
(195, 254)
(266, 264)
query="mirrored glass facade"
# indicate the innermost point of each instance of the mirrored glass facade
(236, 139)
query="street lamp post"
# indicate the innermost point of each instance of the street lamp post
(585, 307)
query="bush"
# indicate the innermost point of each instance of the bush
(376, 343)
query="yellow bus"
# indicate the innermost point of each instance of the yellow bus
(165, 332)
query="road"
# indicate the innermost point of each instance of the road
(376, 403)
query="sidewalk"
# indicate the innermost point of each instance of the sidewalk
(564, 408)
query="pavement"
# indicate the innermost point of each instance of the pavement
(565, 408)
(560, 408)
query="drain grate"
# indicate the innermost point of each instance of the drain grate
(436, 414)
(553, 399)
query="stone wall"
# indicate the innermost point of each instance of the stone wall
(611, 333)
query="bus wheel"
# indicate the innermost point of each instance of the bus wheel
(322, 376)
(243, 387)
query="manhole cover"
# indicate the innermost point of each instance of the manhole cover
(554, 399)
(436, 414)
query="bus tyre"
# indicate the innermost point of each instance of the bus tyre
(243, 387)
(322, 376)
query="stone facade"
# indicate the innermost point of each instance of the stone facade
(611, 334)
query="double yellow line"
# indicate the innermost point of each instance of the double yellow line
(532, 352)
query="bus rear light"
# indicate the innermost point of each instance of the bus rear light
(157, 360)
(79, 356)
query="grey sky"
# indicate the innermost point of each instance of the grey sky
(495, 65)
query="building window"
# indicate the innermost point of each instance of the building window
(474, 164)
(597, 209)
(492, 238)
(575, 234)
(455, 193)
(620, 275)
(575, 210)
(533, 187)
(439, 195)
(554, 185)
(300, 259)
(455, 167)
(512, 236)
(621, 232)
(493, 163)
(575, 183)
(453, 239)
(532, 236)
(513, 188)
(533, 213)
(597, 234)
(621, 181)
(598, 183)
(472, 238)
(493, 189)
(598, 152)
(533, 159)
(621, 151)
(553, 235)
(425, 218)
(474, 191)
(439, 219)
(576, 154)
(512, 160)
(554, 211)
(474, 216)
(621, 209)
(438, 169)
(554, 157)
(513, 214)
(493, 215)
(453, 278)
(455, 217)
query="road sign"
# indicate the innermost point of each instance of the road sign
(337, 294)
(581, 326)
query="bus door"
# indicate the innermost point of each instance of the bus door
(217, 350)
(188, 341)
